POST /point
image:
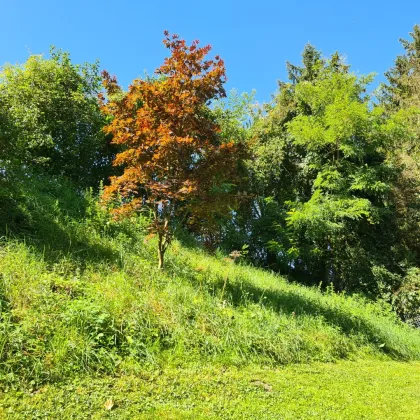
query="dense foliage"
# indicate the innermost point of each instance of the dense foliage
(334, 181)
(50, 119)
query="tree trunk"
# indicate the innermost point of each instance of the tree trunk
(161, 255)
(161, 252)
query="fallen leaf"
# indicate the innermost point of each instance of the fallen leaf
(109, 404)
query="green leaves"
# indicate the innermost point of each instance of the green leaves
(325, 172)
(333, 118)
(50, 118)
(323, 215)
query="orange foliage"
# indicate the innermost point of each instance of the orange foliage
(172, 155)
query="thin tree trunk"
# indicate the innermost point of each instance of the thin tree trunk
(161, 252)
(160, 256)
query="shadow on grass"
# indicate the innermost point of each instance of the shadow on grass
(292, 302)
(49, 220)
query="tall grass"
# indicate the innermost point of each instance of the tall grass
(80, 293)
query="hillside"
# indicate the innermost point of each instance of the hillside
(85, 308)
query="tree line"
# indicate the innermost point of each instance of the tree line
(322, 183)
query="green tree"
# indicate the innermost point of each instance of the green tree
(345, 143)
(273, 171)
(403, 87)
(324, 176)
(401, 98)
(50, 118)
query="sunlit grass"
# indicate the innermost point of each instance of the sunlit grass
(343, 390)
(68, 317)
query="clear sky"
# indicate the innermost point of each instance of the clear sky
(255, 38)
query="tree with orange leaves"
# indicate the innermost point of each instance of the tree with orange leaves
(174, 160)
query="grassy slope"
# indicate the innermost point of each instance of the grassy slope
(81, 296)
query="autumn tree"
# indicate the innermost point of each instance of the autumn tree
(174, 160)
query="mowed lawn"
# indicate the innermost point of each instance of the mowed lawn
(343, 390)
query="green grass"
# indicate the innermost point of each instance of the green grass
(346, 390)
(83, 306)
(61, 318)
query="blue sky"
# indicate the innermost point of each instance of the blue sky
(254, 38)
